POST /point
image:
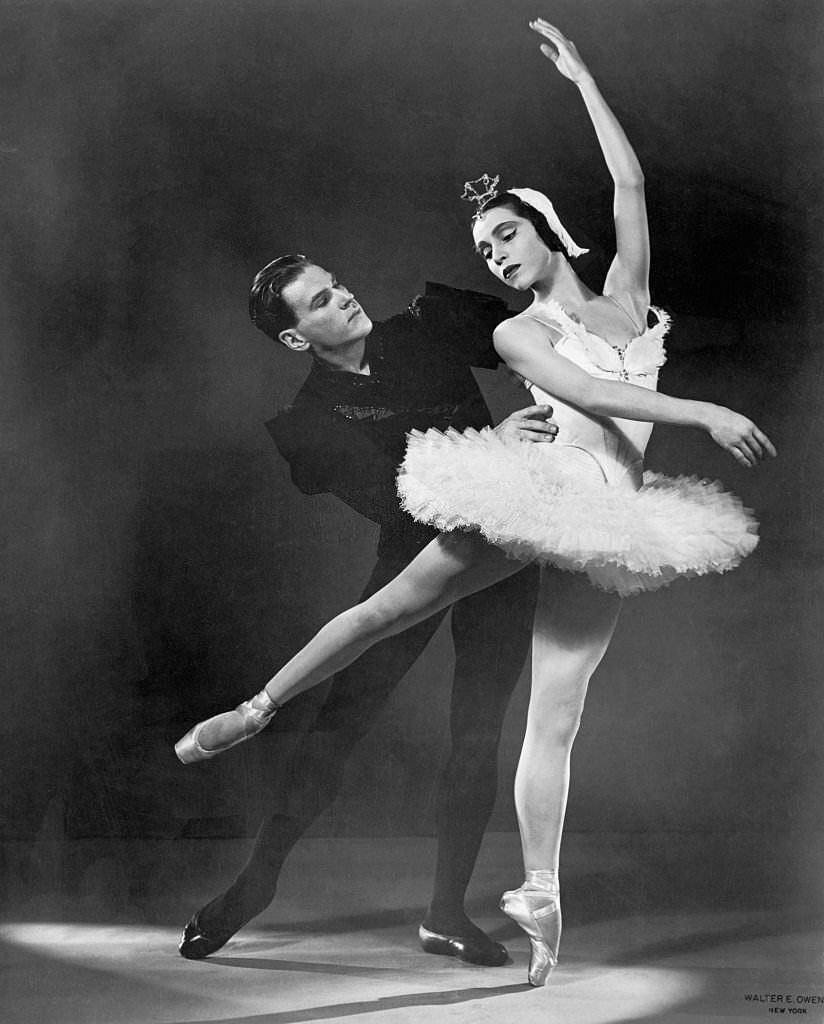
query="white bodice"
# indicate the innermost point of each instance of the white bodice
(611, 447)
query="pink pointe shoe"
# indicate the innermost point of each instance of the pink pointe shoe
(538, 912)
(231, 728)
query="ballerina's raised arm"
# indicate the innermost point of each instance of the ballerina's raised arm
(628, 276)
(522, 342)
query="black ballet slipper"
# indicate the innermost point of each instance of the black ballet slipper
(471, 949)
(195, 943)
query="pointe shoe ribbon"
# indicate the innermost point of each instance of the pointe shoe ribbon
(538, 913)
(246, 720)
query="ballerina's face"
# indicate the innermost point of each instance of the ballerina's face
(511, 246)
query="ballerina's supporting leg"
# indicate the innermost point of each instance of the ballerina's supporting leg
(573, 626)
(449, 567)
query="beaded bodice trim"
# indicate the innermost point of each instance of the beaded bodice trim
(642, 356)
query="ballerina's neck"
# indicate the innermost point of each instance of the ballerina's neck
(563, 286)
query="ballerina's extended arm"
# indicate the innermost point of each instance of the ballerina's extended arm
(522, 344)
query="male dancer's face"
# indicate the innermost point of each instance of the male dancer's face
(327, 315)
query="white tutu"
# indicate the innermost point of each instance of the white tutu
(533, 501)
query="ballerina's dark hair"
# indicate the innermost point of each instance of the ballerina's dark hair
(522, 209)
(268, 310)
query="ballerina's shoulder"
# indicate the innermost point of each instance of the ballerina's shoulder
(521, 334)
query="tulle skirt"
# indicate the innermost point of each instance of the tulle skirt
(537, 502)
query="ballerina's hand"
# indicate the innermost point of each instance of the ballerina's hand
(739, 436)
(561, 51)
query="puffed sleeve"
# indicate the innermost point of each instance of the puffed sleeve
(462, 319)
(328, 455)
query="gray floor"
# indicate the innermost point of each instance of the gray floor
(339, 943)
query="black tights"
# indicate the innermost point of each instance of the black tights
(491, 632)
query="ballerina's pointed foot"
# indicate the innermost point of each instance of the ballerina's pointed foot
(219, 733)
(538, 913)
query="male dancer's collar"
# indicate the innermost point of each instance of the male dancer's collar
(373, 358)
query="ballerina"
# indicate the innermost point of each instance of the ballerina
(581, 507)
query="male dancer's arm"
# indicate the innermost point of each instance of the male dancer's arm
(329, 455)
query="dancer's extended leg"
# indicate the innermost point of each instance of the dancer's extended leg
(573, 626)
(450, 567)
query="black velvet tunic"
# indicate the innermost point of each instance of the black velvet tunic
(345, 433)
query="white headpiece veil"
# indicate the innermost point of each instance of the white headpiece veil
(542, 204)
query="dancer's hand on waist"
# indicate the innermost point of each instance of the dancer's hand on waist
(534, 423)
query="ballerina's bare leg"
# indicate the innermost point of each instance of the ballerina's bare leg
(574, 624)
(450, 567)
(573, 627)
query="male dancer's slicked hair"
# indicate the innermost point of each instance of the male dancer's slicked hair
(267, 309)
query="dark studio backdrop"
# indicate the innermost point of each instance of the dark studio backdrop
(158, 563)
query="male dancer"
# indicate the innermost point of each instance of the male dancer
(345, 434)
